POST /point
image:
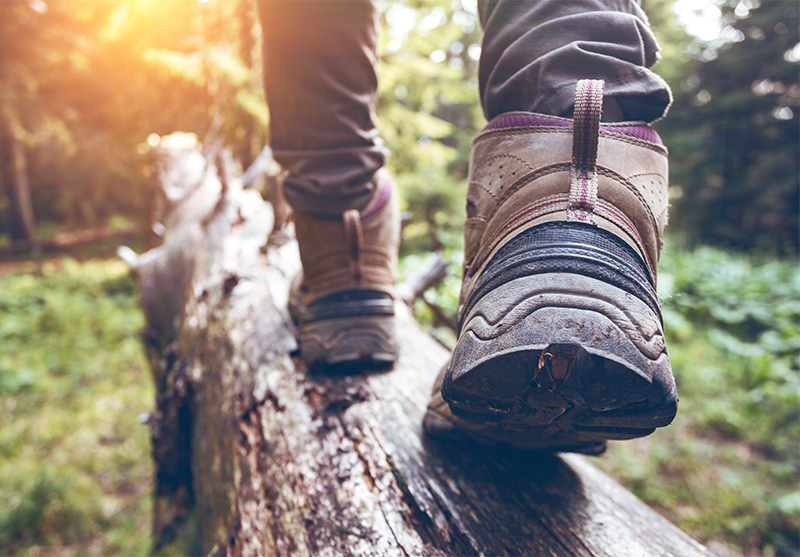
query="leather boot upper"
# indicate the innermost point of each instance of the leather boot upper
(355, 251)
(527, 169)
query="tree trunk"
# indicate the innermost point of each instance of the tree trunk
(257, 456)
(246, 16)
(16, 176)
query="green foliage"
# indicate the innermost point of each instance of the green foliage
(429, 111)
(74, 460)
(726, 470)
(746, 319)
(732, 132)
(84, 83)
(677, 45)
(444, 295)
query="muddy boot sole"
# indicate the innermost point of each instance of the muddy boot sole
(354, 328)
(566, 350)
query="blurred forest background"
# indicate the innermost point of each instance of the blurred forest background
(83, 86)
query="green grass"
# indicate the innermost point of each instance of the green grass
(727, 470)
(74, 459)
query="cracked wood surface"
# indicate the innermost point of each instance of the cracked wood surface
(279, 461)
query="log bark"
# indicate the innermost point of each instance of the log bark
(257, 456)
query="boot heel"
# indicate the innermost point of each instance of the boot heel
(563, 355)
(357, 340)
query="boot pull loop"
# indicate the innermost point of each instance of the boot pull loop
(354, 239)
(585, 141)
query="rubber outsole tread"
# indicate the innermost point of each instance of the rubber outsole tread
(567, 247)
(354, 328)
(345, 345)
(543, 409)
(561, 344)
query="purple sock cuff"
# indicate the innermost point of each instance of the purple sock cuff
(526, 121)
(505, 121)
(382, 196)
(643, 132)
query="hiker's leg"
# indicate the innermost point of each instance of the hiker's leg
(321, 85)
(560, 343)
(534, 52)
(319, 61)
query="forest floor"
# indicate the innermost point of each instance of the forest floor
(76, 465)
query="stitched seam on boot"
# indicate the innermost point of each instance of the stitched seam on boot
(611, 136)
(521, 131)
(665, 212)
(560, 167)
(545, 206)
(524, 181)
(484, 188)
(508, 156)
(619, 218)
(550, 204)
(608, 173)
(640, 174)
(520, 183)
(666, 205)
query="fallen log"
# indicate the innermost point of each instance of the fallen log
(257, 456)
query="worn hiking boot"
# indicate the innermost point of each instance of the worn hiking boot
(343, 302)
(561, 341)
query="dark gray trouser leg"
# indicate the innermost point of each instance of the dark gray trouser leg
(319, 74)
(535, 51)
